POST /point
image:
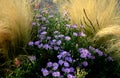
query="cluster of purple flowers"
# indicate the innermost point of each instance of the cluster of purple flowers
(100, 53)
(54, 40)
(62, 68)
(77, 33)
(90, 54)
(47, 71)
(49, 42)
(85, 54)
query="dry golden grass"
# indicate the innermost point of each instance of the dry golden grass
(101, 20)
(15, 25)
(15, 30)
(104, 13)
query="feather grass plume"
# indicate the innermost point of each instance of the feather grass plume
(15, 28)
(101, 20)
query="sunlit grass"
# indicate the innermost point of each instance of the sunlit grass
(100, 19)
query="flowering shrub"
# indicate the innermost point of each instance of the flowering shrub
(58, 49)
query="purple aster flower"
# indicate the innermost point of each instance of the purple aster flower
(92, 57)
(70, 76)
(42, 37)
(45, 72)
(59, 42)
(62, 76)
(56, 74)
(59, 56)
(91, 48)
(75, 34)
(43, 33)
(60, 62)
(64, 54)
(110, 58)
(37, 42)
(34, 23)
(84, 53)
(66, 64)
(69, 59)
(31, 43)
(67, 70)
(56, 48)
(55, 66)
(89, 55)
(54, 40)
(39, 30)
(43, 19)
(72, 69)
(61, 36)
(43, 28)
(52, 43)
(40, 45)
(67, 38)
(100, 53)
(63, 69)
(85, 63)
(46, 46)
(49, 64)
(48, 37)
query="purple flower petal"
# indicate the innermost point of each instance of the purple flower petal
(45, 72)
(37, 42)
(60, 62)
(31, 43)
(49, 64)
(56, 74)
(66, 64)
(59, 42)
(85, 63)
(55, 66)
(44, 33)
(70, 76)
